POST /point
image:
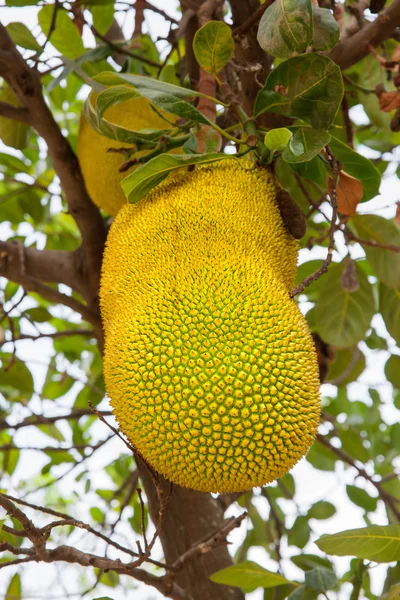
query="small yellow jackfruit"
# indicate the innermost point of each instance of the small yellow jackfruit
(100, 167)
(209, 364)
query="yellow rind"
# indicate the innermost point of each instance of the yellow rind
(99, 167)
(209, 364)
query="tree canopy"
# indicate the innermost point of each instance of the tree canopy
(308, 89)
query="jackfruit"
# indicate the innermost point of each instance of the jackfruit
(100, 167)
(209, 364)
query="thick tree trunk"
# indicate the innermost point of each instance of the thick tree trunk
(191, 516)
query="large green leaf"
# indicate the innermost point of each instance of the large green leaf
(65, 37)
(286, 28)
(12, 133)
(357, 166)
(213, 46)
(171, 103)
(322, 510)
(22, 36)
(348, 365)
(14, 590)
(16, 381)
(380, 543)
(309, 87)
(320, 579)
(385, 263)
(305, 144)
(142, 84)
(326, 30)
(343, 317)
(102, 15)
(111, 96)
(389, 307)
(147, 176)
(248, 575)
(361, 498)
(392, 370)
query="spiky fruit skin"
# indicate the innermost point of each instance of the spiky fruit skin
(100, 167)
(209, 364)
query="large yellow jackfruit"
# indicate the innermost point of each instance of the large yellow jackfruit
(209, 364)
(100, 168)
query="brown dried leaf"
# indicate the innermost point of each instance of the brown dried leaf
(389, 101)
(349, 192)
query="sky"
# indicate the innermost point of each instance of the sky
(311, 485)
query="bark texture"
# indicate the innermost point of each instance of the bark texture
(191, 516)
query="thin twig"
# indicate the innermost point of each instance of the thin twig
(325, 265)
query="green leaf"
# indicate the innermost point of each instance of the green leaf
(389, 307)
(361, 498)
(353, 445)
(348, 365)
(392, 370)
(169, 74)
(326, 30)
(385, 263)
(9, 460)
(65, 37)
(16, 381)
(303, 592)
(310, 561)
(14, 590)
(343, 317)
(103, 15)
(286, 28)
(38, 314)
(108, 98)
(12, 133)
(299, 533)
(277, 140)
(97, 514)
(21, 35)
(309, 87)
(305, 144)
(321, 458)
(22, 2)
(380, 543)
(320, 579)
(249, 576)
(359, 167)
(166, 101)
(147, 176)
(143, 84)
(213, 46)
(321, 510)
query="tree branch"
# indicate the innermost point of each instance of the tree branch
(26, 84)
(50, 266)
(15, 112)
(247, 49)
(42, 420)
(353, 49)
